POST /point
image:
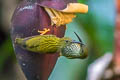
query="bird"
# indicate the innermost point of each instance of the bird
(50, 44)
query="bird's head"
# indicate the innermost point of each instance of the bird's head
(74, 49)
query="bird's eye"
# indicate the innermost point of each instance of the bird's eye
(66, 41)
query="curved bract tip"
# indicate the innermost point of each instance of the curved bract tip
(76, 8)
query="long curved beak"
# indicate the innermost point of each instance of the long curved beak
(79, 42)
(78, 37)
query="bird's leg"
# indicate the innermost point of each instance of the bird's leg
(45, 30)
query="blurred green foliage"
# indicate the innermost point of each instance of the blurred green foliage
(6, 52)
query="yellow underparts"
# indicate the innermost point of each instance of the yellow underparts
(66, 15)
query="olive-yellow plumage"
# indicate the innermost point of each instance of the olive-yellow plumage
(42, 43)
